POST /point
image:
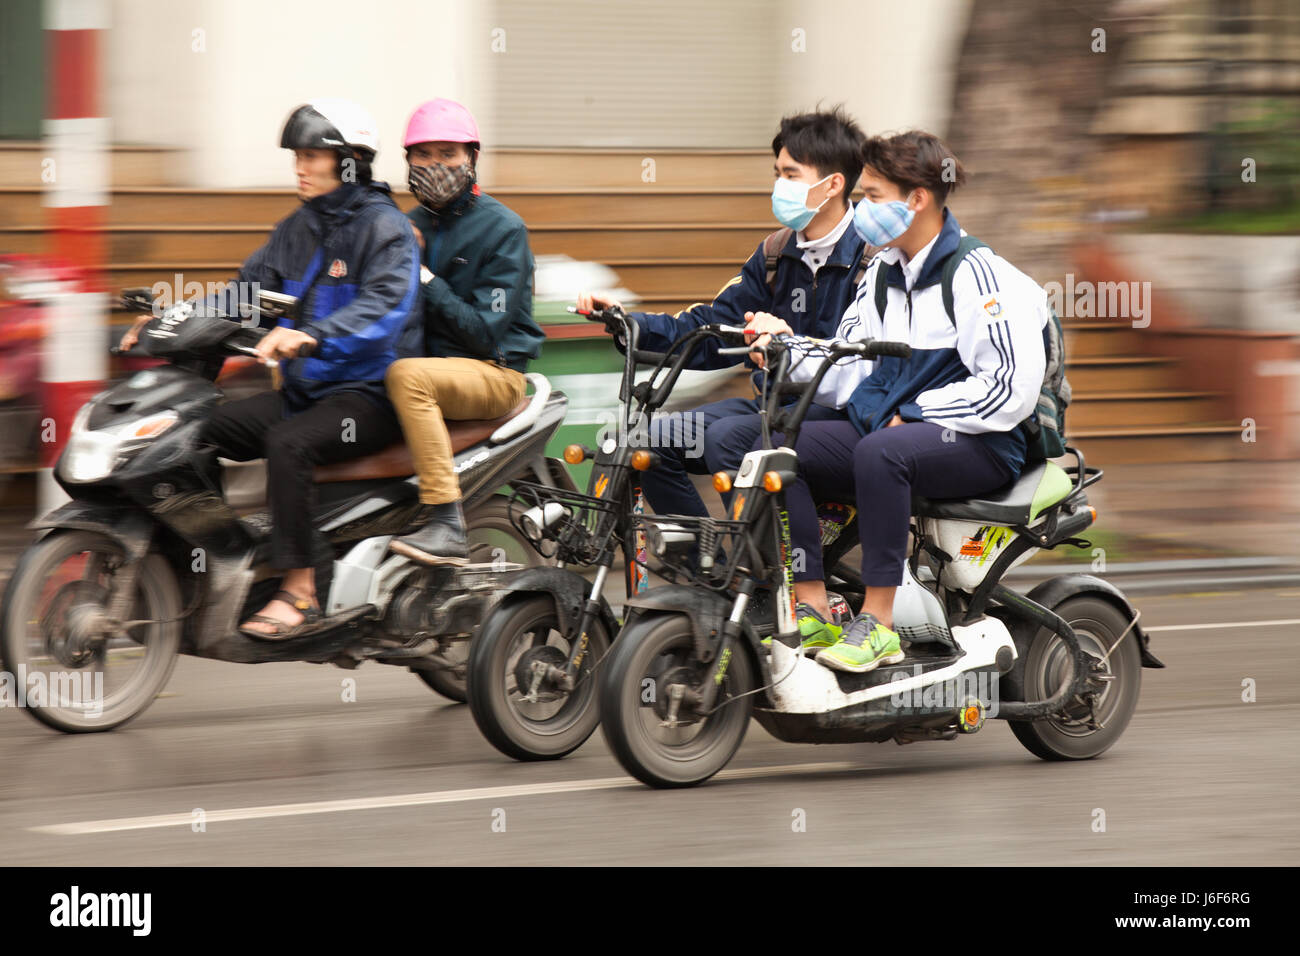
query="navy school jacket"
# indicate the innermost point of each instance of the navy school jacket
(812, 305)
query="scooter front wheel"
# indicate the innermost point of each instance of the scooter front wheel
(75, 671)
(656, 744)
(521, 711)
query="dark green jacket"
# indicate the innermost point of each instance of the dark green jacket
(479, 303)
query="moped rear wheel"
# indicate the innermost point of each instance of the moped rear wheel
(492, 538)
(78, 673)
(1045, 664)
(657, 747)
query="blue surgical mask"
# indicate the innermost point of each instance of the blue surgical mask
(880, 223)
(790, 202)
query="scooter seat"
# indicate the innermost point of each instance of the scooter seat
(1020, 502)
(395, 460)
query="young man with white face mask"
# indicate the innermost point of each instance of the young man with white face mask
(806, 270)
(948, 422)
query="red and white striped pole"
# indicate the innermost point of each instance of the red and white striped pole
(74, 358)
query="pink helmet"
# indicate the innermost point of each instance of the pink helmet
(441, 121)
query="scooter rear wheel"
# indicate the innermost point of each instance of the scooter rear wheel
(491, 538)
(50, 623)
(651, 655)
(1044, 664)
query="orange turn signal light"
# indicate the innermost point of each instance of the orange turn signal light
(575, 454)
(721, 482)
(771, 481)
(642, 460)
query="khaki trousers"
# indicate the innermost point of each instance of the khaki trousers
(425, 391)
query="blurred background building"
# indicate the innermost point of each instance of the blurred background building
(1138, 150)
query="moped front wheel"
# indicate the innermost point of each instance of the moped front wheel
(71, 667)
(653, 664)
(521, 711)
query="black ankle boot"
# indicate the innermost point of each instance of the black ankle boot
(441, 541)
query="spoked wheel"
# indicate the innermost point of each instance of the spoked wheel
(80, 673)
(492, 538)
(652, 743)
(524, 713)
(1046, 665)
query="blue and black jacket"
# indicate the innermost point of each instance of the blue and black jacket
(811, 304)
(353, 253)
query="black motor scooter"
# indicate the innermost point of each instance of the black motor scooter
(149, 559)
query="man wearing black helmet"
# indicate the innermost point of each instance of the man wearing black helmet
(349, 256)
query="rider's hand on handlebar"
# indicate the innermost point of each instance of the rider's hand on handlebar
(283, 342)
(132, 335)
(590, 302)
(764, 325)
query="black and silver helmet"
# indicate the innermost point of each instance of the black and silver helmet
(331, 124)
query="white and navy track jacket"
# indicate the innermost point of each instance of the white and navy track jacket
(979, 376)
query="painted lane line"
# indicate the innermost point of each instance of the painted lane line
(410, 800)
(1230, 624)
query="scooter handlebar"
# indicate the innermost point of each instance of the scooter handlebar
(882, 348)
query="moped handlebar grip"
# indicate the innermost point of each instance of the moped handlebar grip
(897, 349)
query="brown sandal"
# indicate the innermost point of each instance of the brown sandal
(311, 616)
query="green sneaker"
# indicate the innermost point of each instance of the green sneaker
(864, 644)
(817, 632)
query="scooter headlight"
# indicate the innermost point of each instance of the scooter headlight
(92, 455)
(535, 522)
(661, 539)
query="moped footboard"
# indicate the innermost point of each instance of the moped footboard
(933, 680)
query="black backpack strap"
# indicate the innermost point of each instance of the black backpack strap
(773, 245)
(882, 288)
(964, 248)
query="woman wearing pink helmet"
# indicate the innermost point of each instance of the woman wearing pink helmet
(477, 293)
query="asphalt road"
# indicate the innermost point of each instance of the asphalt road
(1199, 778)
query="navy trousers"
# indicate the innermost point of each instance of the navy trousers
(729, 439)
(682, 445)
(879, 473)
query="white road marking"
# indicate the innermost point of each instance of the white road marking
(411, 800)
(1227, 625)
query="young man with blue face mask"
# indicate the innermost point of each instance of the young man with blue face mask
(947, 422)
(806, 271)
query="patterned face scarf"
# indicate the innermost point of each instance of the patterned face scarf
(438, 186)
